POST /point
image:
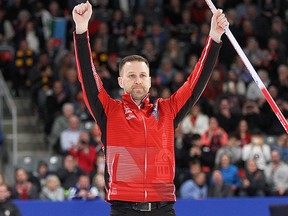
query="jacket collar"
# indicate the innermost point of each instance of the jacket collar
(128, 101)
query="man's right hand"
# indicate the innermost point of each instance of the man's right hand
(81, 16)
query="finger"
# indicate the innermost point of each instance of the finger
(88, 4)
(81, 8)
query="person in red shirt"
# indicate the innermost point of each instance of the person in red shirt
(84, 153)
(137, 135)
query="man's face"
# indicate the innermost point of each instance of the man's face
(135, 79)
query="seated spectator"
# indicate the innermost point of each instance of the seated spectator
(60, 124)
(232, 148)
(195, 188)
(195, 122)
(217, 188)
(229, 172)
(252, 114)
(99, 182)
(70, 136)
(52, 189)
(242, 133)
(253, 91)
(215, 136)
(7, 207)
(39, 176)
(174, 52)
(257, 150)
(84, 153)
(95, 137)
(55, 100)
(25, 59)
(194, 168)
(226, 118)
(23, 189)
(282, 147)
(69, 173)
(83, 190)
(193, 149)
(99, 166)
(166, 72)
(276, 173)
(253, 181)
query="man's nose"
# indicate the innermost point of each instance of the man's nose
(138, 80)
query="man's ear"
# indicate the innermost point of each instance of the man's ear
(120, 82)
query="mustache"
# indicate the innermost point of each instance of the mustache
(137, 86)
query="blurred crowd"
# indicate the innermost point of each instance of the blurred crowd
(230, 144)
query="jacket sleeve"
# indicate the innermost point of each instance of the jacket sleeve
(94, 94)
(188, 94)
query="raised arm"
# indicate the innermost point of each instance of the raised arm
(187, 95)
(94, 94)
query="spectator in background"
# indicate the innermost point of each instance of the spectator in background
(80, 109)
(233, 149)
(40, 175)
(282, 81)
(253, 180)
(24, 60)
(152, 10)
(242, 133)
(252, 114)
(198, 12)
(253, 91)
(99, 183)
(55, 100)
(150, 52)
(226, 118)
(95, 137)
(194, 149)
(41, 79)
(214, 137)
(158, 37)
(229, 172)
(195, 122)
(32, 36)
(70, 136)
(217, 188)
(175, 53)
(214, 87)
(7, 207)
(235, 83)
(69, 172)
(84, 152)
(23, 188)
(195, 188)
(83, 190)
(52, 190)
(165, 73)
(257, 150)
(71, 83)
(276, 173)
(60, 124)
(241, 70)
(282, 146)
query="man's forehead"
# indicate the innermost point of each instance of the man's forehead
(135, 66)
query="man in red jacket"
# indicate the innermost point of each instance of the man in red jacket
(138, 136)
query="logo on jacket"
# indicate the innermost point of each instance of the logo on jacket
(129, 114)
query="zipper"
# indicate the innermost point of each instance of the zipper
(145, 159)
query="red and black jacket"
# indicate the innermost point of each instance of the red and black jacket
(138, 141)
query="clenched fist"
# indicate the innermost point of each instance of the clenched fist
(81, 16)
